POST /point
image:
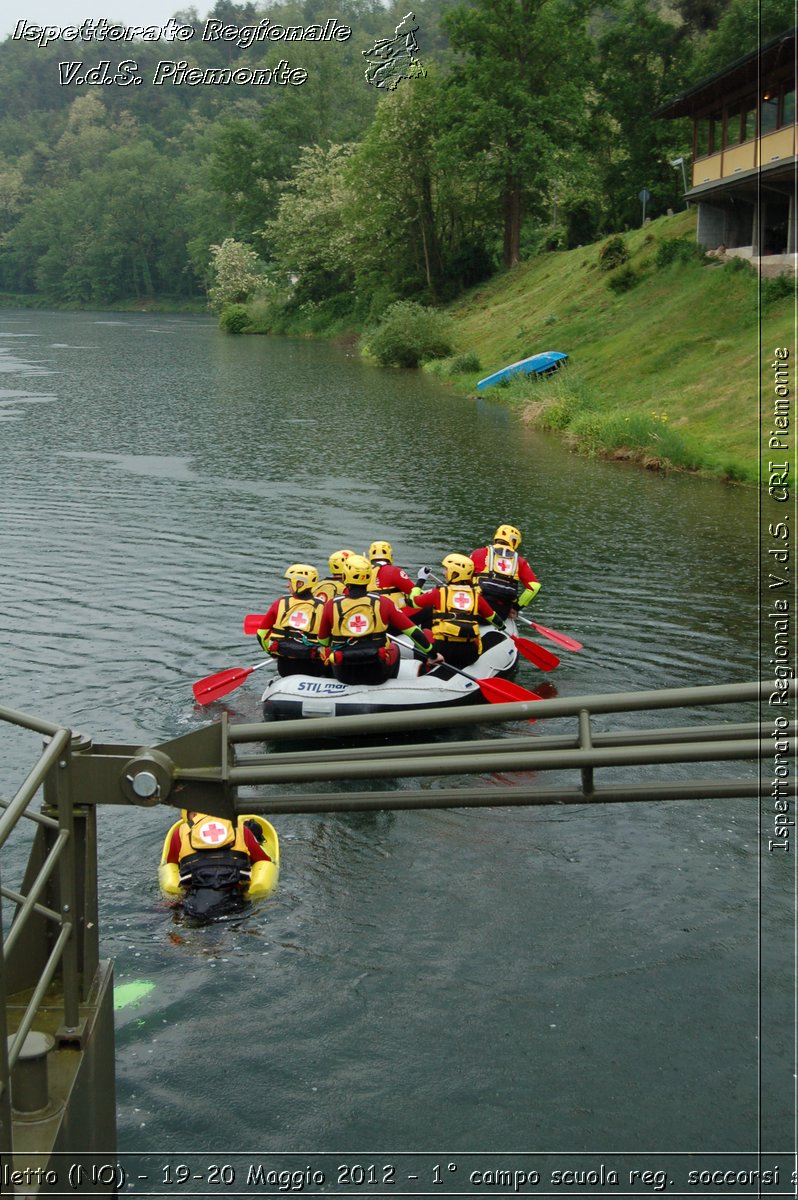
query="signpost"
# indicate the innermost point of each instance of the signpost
(644, 195)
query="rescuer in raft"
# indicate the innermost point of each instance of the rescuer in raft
(505, 578)
(354, 628)
(212, 852)
(333, 585)
(388, 579)
(290, 629)
(457, 608)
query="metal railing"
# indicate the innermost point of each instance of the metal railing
(53, 939)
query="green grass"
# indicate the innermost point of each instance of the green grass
(664, 372)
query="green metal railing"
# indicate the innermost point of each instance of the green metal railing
(50, 953)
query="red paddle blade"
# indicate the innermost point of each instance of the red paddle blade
(559, 639)
(539, 655)
(213, 687)
(252, 623)
(503, 691)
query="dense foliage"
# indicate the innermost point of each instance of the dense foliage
(532, 126)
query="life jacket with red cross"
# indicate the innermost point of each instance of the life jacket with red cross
(358, 632)
(455, 615)
(295, 632)
(213, 852)
(499, 578)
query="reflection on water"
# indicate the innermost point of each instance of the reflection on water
(461, 978)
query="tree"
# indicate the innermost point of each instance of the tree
(238, 272)
(640, 66)
(311, 237)
(515, 95)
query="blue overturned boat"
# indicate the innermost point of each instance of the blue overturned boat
(537, 364)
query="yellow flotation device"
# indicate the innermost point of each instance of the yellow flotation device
(264, 876)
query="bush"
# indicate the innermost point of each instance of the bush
(683, 250)
(613, 253)
(777, 288)
(624, 281)
(463, 364)
(409, 334)
(234, 318)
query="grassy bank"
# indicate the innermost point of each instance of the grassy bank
(665, 354)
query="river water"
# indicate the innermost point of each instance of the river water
(567, 981)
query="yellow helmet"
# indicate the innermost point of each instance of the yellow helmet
(337, 559)
(509, 535)
(357, 570)
(301, 577)
(459, 569)
(381, 552)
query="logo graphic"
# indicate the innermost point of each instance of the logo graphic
(393, 59)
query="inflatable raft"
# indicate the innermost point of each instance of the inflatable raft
(294, 696)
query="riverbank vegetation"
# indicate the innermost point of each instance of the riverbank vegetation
(520, 140)
(664, 371)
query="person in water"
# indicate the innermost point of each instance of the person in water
(355, 629)
(388, 579)
(333, 585)
(457, 608)
(290, 629)
(212, 852)
(505, 578)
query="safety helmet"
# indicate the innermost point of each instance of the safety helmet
(337, 561)
(459, 569)
(301, 577)
(357, 570)
(509, 535)
(381, 552)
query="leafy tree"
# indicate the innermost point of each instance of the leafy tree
(516, 93)
(640, 66)
(238, 272)
(743, 27)
(311, 237)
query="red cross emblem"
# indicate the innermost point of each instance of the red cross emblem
(299, 620)
(357, 623)
(504, 564)
(461, 600)
(213, 833)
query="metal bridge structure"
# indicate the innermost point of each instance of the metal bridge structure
(57, 1087)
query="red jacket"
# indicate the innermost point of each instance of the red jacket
(393, 579)
(432, 600)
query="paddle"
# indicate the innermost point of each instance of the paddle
(213, 687)
(559, 639)
(495, 691)
(543, 659)
(539, 655)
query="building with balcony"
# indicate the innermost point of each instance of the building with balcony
(744, 154)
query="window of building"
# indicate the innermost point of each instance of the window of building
(733, 127)
(702, 131)
(715, 133)
(749, 120)
(769, 109)
(788, 106)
